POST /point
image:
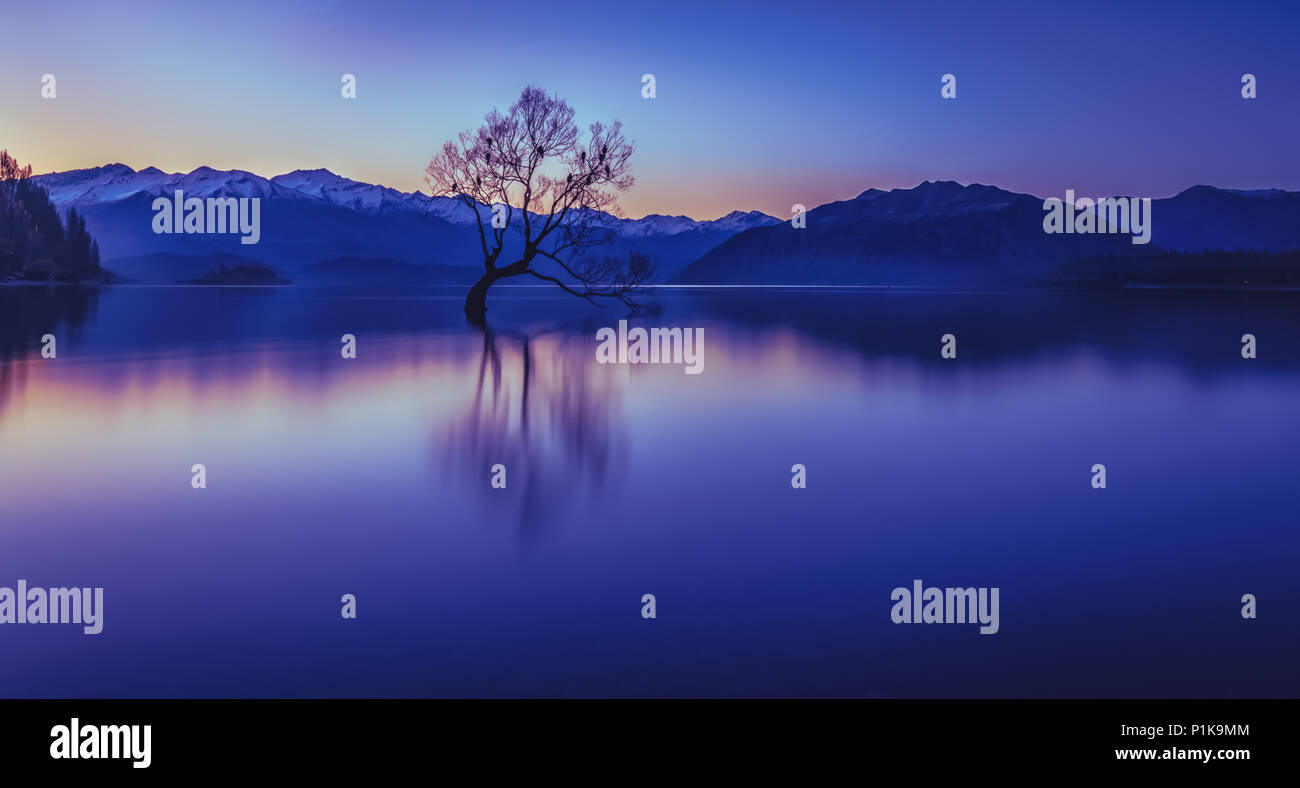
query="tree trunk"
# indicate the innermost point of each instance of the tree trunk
(476, 301)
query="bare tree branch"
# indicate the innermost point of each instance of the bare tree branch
(564, 185)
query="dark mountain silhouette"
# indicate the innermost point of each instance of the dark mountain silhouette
(944, 234)
(1204, 218)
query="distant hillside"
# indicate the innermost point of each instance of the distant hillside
(944, 234)
(1203, 218)
(937, 234)
(168, 268)
(242, 275)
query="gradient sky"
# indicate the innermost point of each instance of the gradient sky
(760, 105)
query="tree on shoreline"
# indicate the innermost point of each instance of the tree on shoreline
(34, 242)
(530, 172)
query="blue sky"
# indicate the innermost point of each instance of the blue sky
(760, 105)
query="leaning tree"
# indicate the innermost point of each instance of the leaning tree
(530, 173)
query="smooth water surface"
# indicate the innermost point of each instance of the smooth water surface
(371, 477)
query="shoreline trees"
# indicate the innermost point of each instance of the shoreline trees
(34, 242)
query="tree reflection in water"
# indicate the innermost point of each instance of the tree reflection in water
(543, 408)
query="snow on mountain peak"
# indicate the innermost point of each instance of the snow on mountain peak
(737, 221)
(658, 224)
(114, 182)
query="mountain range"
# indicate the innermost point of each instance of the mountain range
(311, 216)
(319, 227)
(945, 234)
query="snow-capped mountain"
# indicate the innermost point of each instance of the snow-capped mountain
(368, 197)
(118, 181)
(660, 225)
(314, 215)
(937, 233)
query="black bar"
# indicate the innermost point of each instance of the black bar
(555, 738)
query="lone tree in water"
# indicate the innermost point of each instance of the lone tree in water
(531, 172)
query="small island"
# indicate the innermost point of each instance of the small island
(241, 275)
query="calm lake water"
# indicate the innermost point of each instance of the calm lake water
(371, 477)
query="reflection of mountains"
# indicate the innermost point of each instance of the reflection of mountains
(543, 409)
(1199, 330)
